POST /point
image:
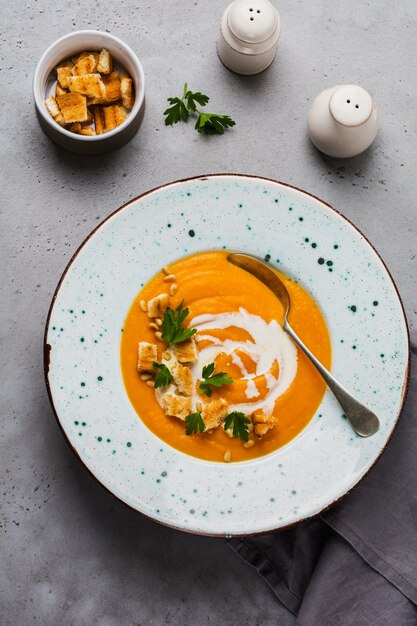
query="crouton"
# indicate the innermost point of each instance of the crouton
(104, 65)
(126, 88)
(73, 107)
(54, 111)
(83, 55)
(98, 120)
(147, 355)
(176, 406)
(89, 85)
(75, 128)
(186, 351)
(88, 131)
(85, 64)
(214, 412)
(59, 91)
(62, 74)
(262, 422)
(114, 115)
(158, 305)
(183, 379)
(112, 86)
(79, 128)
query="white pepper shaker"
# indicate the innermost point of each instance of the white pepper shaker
(249, 33)
(343, 121)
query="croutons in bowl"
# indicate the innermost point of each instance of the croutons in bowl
(89, 90)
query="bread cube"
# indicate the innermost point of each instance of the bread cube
(73, 107)
(89, 85)
(114, 115)
(147, 355)
(112, 86)
(54, 111)
(84, 65)
(262, 422)
(87, 131)
(105, 64)
(59, 91)
(98, 120)
(62, 74)
(126, 89)
(177, 406)
(158, 305)
(214, 412)
(183, 379)
(186, 351)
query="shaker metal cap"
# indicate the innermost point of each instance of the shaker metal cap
(252, 21)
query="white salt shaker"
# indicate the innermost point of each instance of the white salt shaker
(249, 34)
(343, 121)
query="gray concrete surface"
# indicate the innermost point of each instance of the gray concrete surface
(69, 553)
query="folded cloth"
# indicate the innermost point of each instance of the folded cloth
(355, 565)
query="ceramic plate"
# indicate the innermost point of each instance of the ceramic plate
(307, 240)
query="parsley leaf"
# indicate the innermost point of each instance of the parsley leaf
(172, 331)
(163, 377)
(198, 97)
(239, 422)
(211, 379)
(194, 423)
(181, 108)
(178, 111)
(212, 124)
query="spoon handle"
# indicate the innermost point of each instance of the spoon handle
(364, 422)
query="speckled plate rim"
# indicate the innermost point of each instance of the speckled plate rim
(204, 177)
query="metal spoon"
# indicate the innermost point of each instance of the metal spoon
(363, 421)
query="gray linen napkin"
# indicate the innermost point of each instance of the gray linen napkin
(355, 565)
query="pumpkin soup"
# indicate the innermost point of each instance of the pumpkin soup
(208, 367)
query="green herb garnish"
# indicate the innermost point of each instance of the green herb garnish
(239, 422)
(163, 377)
(211, 379)
(172, 331)
(194, 424)
(209, 123)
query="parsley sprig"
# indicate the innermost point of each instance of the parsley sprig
(163, 377)
(239, 423)
(209, 123)
(213, 380)
(194, 424)
(172, 331)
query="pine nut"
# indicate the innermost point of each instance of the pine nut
(158, 335)
(166, 270)
(229, 433)
(227, 455)
(150, 383)
(173, 289)
(158, 321)
(166, 356)
(153, 326)
(250, 427)
(170, 278)
(199, 407)
(143, 305)
(146, 376)
(249, 444)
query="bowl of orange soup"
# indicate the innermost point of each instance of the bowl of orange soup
(173, 380)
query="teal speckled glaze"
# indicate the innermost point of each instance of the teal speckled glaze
(308, 241)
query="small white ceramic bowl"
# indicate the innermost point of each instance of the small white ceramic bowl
(70, 45)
